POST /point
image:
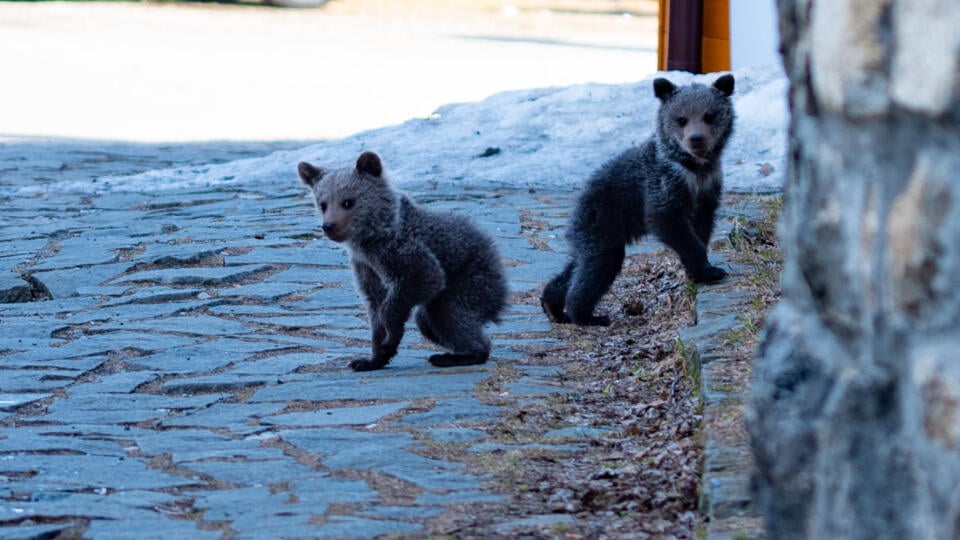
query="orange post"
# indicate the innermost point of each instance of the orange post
(715, 52)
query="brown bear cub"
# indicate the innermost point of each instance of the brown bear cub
(669, 186)
(408, 258)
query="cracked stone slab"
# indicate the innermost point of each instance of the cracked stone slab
(393, 386)
(208, 277)
(470, 496)
(258, 508)
(197, 325)
(159, 528)
(67, 282)
(43, 356)
(453, 411)
(545, 521)
(11, 402)
(578, 432)
(15, 290)
(121, 408)
(131, 316)
(239, 417)
(284, 364)
(275, 254)
(157, 295)
(67, 472)
(185, 445)
(456, 435)
(310, 275)
(250, 472)
(265, 291)
(384, 452)
(402, 512)
(34, 532)
(30, 380)
(196, 357)
(78, 252)
(341, 416)
(311, 320)
(215, 383)
(34, 440)
(497, 447)
(348, 526)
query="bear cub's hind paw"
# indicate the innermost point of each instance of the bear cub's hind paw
(450, 360)
(362, 364)
(710, 274)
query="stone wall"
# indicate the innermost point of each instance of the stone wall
(855, 408)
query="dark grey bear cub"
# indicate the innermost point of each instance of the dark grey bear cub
(404, 258)
(670, 185)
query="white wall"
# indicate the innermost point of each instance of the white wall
(754, 37)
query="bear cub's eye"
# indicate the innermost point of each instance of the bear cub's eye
(323, 207)
(681, 121)
(347, 204)
(709, 118)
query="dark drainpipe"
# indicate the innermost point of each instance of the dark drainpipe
(685, 33)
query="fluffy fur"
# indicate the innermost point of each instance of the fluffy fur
(407, 258)
(670, 185)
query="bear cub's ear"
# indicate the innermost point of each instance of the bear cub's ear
(663, 89)
(724, 84)
(369, 163)
(310, 174)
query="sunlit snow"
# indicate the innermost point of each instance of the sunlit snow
(541, 138)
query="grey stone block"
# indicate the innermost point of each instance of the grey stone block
(198, 325)
(391, 385)
(545, 521)
(578, 432)
(267, 292)
(206, 277)
(67, 282)
(354, 527)
(36, 532)
(87, 472)
(456, 435)
(341, 416)
(11, 402)
(469, 496)
(120, 408)
(14, 290)
(159, 528)
(15, 380)
(453, 411)
(239, 417)
(311, 275)
(255, 473)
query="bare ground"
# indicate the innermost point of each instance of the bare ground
(637, 473)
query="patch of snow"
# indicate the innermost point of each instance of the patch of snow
(547, 138)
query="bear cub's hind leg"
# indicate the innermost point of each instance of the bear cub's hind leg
(455, 330)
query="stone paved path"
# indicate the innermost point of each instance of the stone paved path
(188, 376)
